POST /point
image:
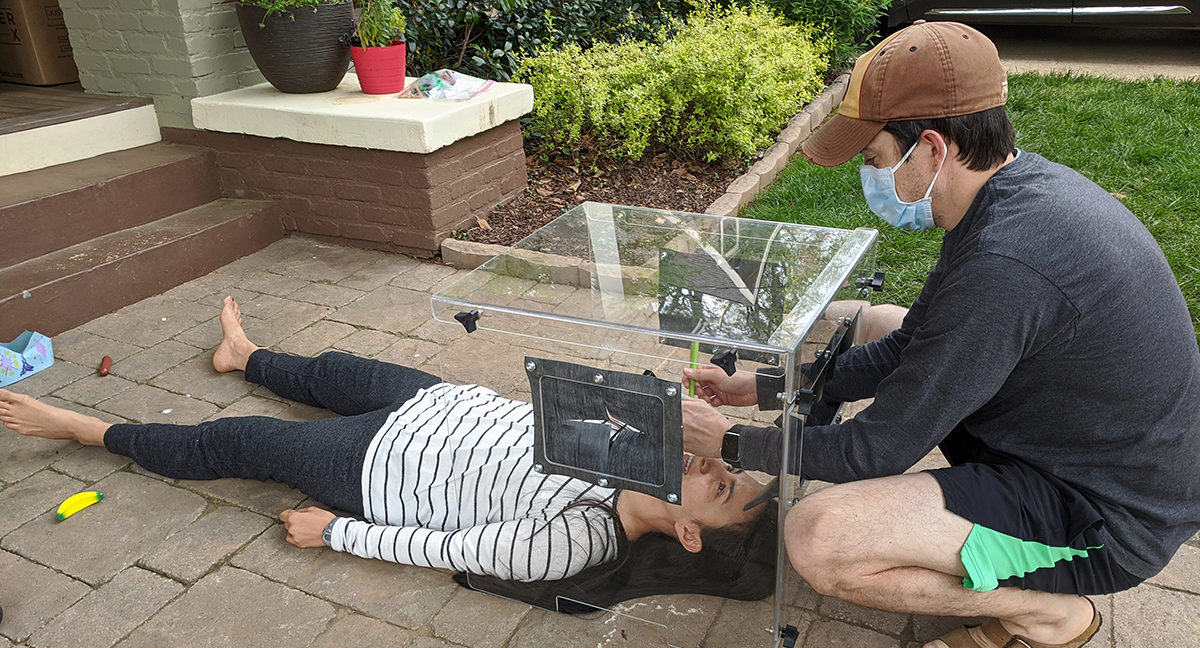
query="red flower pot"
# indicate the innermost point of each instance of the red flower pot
(380, 69)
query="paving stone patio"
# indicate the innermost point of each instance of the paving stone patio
(183, 563)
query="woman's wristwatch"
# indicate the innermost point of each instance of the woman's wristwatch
(731, 448)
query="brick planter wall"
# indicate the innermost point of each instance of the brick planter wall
(405, 202)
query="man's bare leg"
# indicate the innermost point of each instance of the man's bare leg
(890, 544)
(877, 321)
(235, 348)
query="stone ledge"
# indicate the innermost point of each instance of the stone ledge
(469, 254)
(345, 116)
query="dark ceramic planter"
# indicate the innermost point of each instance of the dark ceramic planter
(308, 51)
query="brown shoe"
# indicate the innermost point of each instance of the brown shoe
(993, 635)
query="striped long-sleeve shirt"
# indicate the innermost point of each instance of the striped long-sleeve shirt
(448, 482)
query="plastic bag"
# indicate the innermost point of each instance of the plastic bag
(446, 85)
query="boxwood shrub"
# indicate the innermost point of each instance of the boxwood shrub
(716, 85)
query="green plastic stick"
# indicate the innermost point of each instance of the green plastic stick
(695, 362)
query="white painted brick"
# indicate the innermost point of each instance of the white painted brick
(158, 86)
(250, 77)
(78, 20)
(203, 66)
(221, 21)
(211, 43)
(172, 66)
(113, 85)
(162, 23)
(131, 65)
(91, 60)
(121, 22)
(192, 22)
(210, 85)
(148, 43)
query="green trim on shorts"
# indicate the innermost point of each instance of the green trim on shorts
(991, 556)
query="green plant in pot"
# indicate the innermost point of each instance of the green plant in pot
(300, 46)
(378, 47)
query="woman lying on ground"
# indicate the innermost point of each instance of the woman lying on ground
(442, 476)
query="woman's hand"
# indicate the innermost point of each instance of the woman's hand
(703, 428)
(719, 388)
(305, 526)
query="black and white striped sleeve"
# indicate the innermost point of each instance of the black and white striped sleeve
(527, 549)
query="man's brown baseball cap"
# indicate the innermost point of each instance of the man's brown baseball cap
(924, 71)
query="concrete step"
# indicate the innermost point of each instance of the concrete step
(49, 209)
(42, 127)
(59, 291)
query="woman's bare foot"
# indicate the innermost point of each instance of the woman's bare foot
(31, 417)
(235, 348)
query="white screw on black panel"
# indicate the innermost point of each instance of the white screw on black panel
(672, 498)
(864, 293)
(778, 395)
(598, 379)
(530, 366)
(603, 482)
(671, 391)
(539, 468)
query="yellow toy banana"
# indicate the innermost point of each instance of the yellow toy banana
(77, 503)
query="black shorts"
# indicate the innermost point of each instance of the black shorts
(1031, 531)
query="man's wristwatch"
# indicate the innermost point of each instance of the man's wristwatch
(731, 449)
(327, 534)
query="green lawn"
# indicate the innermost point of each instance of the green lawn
(1137, 139)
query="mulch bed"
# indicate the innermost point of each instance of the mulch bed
(660, 181)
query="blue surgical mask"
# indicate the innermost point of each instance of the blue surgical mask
(879, 188)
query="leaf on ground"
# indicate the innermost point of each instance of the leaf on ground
(1118, 195)
(483, 224)
(574, 186)
(544, 192)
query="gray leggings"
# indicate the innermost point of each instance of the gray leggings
(322, 458)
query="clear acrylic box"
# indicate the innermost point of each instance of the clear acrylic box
(592, 319)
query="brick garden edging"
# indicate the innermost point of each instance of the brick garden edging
(743, 189)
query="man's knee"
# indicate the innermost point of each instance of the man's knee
(883, 319)
(816, 541)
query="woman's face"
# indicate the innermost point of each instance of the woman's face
(713, 495)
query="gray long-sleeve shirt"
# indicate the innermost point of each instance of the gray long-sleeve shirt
(1052, 329)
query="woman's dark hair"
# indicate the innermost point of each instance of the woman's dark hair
(736, 561)
(984, 138)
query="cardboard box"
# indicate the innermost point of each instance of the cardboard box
(34, 47)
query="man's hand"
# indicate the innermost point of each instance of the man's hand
(305, 526)
(703, 428)
(719, 388)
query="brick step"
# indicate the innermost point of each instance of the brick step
(50, 209)
(59, 291)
